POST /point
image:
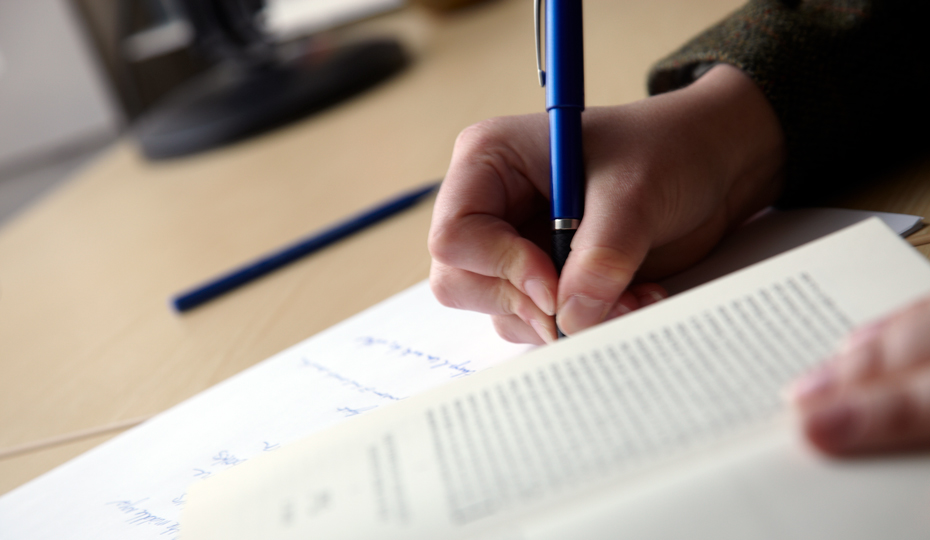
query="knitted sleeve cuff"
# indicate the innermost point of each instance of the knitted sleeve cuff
(844, 77)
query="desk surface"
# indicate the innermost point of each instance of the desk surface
(86, 335)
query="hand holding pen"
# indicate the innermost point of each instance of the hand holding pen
(665, 178)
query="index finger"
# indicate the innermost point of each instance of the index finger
(498, 181)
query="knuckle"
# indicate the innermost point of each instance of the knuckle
(608, 267)
(512, 260)
(864, 363)
(481, 135)
(441, 244)
(905, 341)
(443, 288)
(491, 144)
(508, 298)
(509, 328)
(519, 305)
(903, 414)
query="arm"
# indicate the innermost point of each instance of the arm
(847, 79)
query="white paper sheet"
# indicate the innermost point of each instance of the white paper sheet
(568, 426)
(133, 486)
(775, 232)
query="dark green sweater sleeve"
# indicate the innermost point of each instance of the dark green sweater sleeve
(848, 79)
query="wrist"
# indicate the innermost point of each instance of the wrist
(743, 132)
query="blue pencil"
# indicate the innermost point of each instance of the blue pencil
(271, 262)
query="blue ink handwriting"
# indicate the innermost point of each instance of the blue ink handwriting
(225, 458)
(349, 381)
(393, 347)
(349, 411)
(140, 516)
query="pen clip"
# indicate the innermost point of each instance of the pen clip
(537, 15)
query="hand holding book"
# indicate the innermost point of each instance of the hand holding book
(874, 395)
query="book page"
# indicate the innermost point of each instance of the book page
(133, 486)
(766, 487)
(574, 419)
(774, 231)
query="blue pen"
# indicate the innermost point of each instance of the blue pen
(319, 240)
(564, 83)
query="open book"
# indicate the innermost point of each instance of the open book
(665, 423)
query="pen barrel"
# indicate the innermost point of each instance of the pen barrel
(561, 247)
(564, 54)
(319, 240)
(567, 163)
(565, 101)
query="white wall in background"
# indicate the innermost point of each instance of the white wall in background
(52, 92)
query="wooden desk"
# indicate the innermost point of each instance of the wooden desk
(86, 336)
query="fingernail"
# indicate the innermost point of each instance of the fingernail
(547, 335)
(833, 426)
(581, 312)
(860, 354)
(540, 295)
(618, 310)
(815, 384)
(651, 297)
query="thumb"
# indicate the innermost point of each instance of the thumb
(609, 246)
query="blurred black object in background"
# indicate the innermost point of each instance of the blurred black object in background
(197, 74)
(234, 101)
(145, 47)
(251, 88)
